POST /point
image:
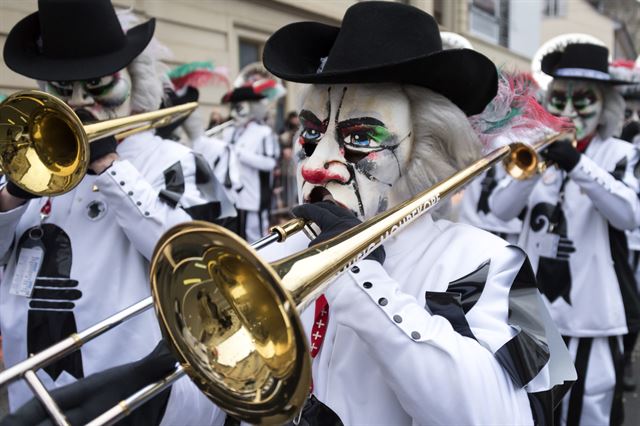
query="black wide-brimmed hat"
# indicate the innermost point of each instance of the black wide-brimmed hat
(73, 40)
(382, 42)
(241, 94)
(580, 61)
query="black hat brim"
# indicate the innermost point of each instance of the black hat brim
(550, 61)
(467, 78)
(22, 55)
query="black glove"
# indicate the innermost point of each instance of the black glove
(101, 147)
(16, 191)
(87, 398)
(563, 154)
(333, 220)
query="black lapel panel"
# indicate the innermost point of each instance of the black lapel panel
(51, 317)
(470, 286)
(173, 185)
(624, 274)
(449, 305)
(488, 184)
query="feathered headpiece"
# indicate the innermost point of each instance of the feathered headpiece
(515, 114)
(627, 70)
(198, 74)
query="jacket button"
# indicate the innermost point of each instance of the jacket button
(382, 301)
(415, 335)
(113, 173)
(146, 213)
(397, 318)
(367, 285)
(121, 183)
(139, 203)
(355, 269)
(130, 193)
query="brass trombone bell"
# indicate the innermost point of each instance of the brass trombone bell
(44, 147)
(524, 160)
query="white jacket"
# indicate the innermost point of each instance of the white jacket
(398, 363)
(582, 258)
(104, 242)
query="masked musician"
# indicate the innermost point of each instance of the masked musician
(93, 247)
(427, 330)
(574, 228)
(244, 156)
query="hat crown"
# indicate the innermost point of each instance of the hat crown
(72, 28)
(585, 56)
(382, 34)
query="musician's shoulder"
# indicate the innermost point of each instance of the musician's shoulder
(469, 237)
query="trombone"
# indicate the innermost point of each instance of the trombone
(231, 319)
(44, 147)
(524, 161)
(26, 369)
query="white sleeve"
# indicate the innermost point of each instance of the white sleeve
(420, 353)
(263, 158)
(616, 199)
(187, 405)
(511, 196)
(144, 208)
(8, 222)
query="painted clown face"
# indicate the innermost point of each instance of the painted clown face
(631, 111)
(580, 101)
(101, 98)
(355, 143)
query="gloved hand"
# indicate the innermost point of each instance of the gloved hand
(99, 148)
(16, 191)
(333, 220)
(87, 398)
(563, 154)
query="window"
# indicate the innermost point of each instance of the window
(555, 8)
(249, 52)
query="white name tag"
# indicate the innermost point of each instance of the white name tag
(548, 245)
(26, 272)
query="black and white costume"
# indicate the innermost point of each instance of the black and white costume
(97, 247)
(398, 333)
(474, 207)
(574, 235)
(243, 158)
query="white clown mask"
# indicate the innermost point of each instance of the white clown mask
(354, 142)
(104, 98)
(579, 100)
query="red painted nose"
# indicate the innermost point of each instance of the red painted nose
(320, 176)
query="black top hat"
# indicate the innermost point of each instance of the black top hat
(73, 40)
(580, 61)
(382, 42)
(241, 94)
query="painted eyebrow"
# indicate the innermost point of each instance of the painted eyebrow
(368, 121)
(309, 117)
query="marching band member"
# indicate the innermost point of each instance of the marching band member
(574, 228)
(93, 248)
(399, 337)
(244, 156)
(428, 329)
(628, 71)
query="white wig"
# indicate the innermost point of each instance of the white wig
(146, 70)
(443, 141)
(612, 117)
